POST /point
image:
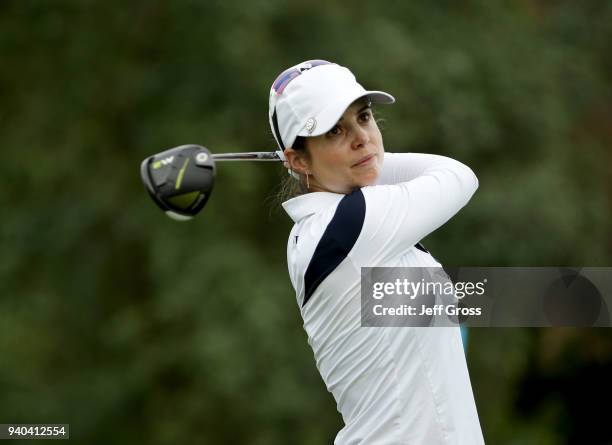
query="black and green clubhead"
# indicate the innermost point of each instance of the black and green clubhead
(180, 180)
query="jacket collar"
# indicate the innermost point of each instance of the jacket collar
(310, 203)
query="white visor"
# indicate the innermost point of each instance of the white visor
(309, 99)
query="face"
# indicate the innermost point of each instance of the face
(348, 156)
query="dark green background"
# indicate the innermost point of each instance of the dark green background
(134, 328)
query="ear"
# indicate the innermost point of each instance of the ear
(298, 160)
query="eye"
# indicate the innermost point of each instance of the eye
(335, 131)
(365, 116)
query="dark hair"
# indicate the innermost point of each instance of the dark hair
(300, 143)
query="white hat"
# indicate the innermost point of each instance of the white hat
(308, 99)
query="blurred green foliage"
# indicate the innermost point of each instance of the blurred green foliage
(136, 329)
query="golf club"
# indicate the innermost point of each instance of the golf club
(180, 180)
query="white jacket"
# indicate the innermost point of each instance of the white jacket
(395, 386)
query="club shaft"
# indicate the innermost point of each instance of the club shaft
(248, 156)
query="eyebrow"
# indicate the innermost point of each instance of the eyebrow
(365, 107)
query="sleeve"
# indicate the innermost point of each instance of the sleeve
(403, 167)
(430, 190)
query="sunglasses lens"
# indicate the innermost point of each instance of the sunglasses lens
(314, 63)
(287, 76)
(283, 80)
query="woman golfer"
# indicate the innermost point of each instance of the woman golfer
(361, 207)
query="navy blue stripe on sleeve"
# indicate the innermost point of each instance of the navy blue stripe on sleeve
(420, 247)
(337, 241)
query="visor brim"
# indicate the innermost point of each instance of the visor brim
(330, 115)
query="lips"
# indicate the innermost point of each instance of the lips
(363, 161)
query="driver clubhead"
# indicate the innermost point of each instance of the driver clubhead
(180, 180)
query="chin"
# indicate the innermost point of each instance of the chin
(368, 179)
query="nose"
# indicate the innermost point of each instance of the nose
(360, 137)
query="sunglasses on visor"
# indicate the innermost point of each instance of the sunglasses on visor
(287, 76)
(281, 83)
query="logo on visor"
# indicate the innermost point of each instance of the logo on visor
(305, 67)
(311, 124)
